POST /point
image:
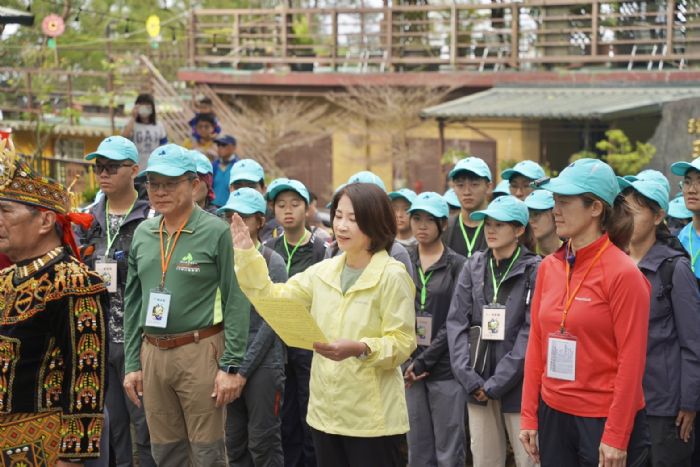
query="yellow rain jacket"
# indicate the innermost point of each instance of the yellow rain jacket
(362, 398)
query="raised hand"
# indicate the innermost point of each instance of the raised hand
(240, 233)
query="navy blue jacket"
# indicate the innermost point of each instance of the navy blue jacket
(672, 377)
(503, 378)
(435, 358)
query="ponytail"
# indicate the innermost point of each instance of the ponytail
(617, 221)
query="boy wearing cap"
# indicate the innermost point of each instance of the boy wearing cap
(204, 194)
(689, 236)
(253, 434)
(226, 150)
(180, 355)
(401, 201)
(299, 249)
(472, 182)
(521, 176)
(105, 245)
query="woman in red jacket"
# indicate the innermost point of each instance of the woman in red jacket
(582, 394)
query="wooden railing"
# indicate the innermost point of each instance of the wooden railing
(533, 34)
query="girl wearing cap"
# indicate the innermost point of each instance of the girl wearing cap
(582, 397)
(401, 201)
(452, 202)
(204, 193)
(437, 435)
(672, 377)
(521, 176)
(487, 330)
(362, 301)
(144, 129)
(540, 203)
(252, 421)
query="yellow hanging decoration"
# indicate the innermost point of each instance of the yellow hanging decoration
(153, 26)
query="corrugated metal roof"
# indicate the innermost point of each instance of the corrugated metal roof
(575, 103)
(12, 16)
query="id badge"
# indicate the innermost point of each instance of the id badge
(424, 330)
(108, 270)
(158, 308)
(561, 356)
(493, 323)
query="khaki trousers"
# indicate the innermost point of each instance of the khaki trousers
(185, 425)
(488, 427)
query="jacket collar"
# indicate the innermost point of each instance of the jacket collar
(368, 279)
(656, 255)
(191, 224)
(443, 262)
(138, 212)
(586, 253)
(481, 259)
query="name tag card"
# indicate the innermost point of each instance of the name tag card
(158, 308)
(561, 357)
(108, 271)
(493, 323)
(424, 330)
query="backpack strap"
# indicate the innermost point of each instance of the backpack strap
(666, 273)
(267, 254)
(451, 223)
(319, 249)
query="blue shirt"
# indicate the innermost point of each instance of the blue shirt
(684, 237)
(221, 181)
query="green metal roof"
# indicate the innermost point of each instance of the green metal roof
(570, 103)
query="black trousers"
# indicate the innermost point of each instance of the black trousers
(349, 451)
(297, 445)
(568, 440)
(667, 448)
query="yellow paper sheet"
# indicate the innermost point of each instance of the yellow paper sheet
(291, 321)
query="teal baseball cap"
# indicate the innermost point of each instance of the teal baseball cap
(246, 170)
(528, 169)
(203, 163)
(503, 188)
(473, 165)
(451, 197)
(585, 176)
(244, 201)
(506, 208)
(680, 168)
(367, 177)
(170, 160)
(405, 193)
(432, 203)
(540, 200)
(650, 175)
(116, 148)
(285, 184)
(651, 190)
(677, 209)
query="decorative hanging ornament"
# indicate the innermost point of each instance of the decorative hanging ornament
(53, 25)
(153, 26)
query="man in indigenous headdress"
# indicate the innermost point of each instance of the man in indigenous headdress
(52, 326)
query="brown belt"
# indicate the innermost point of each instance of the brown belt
(170, 342)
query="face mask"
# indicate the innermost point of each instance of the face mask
(145, 111)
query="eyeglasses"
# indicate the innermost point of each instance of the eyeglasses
(686, 184)
(110, 168)
(168, 187)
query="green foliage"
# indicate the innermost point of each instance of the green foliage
(619, 152)
(452, 156)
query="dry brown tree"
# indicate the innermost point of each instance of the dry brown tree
(385, 115)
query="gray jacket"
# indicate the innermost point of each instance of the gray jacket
(672, 377)
(503, 376)
(265, 349)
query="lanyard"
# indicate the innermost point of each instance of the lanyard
(165, 259)
(470, 243)
(570, 296)
(110, 240)
(496, 285)
(693, 257)
(296, 247)
(424, 291)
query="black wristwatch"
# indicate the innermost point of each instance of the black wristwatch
(230, 369)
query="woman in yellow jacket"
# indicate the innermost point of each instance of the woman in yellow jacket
(363, 302)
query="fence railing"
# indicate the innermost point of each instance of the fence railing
(533, 34)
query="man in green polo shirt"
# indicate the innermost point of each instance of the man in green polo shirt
(180, 357)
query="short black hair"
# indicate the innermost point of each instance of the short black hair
(207, 117)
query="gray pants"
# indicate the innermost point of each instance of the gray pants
(122, 412)
(436, 412)
(253, 436)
